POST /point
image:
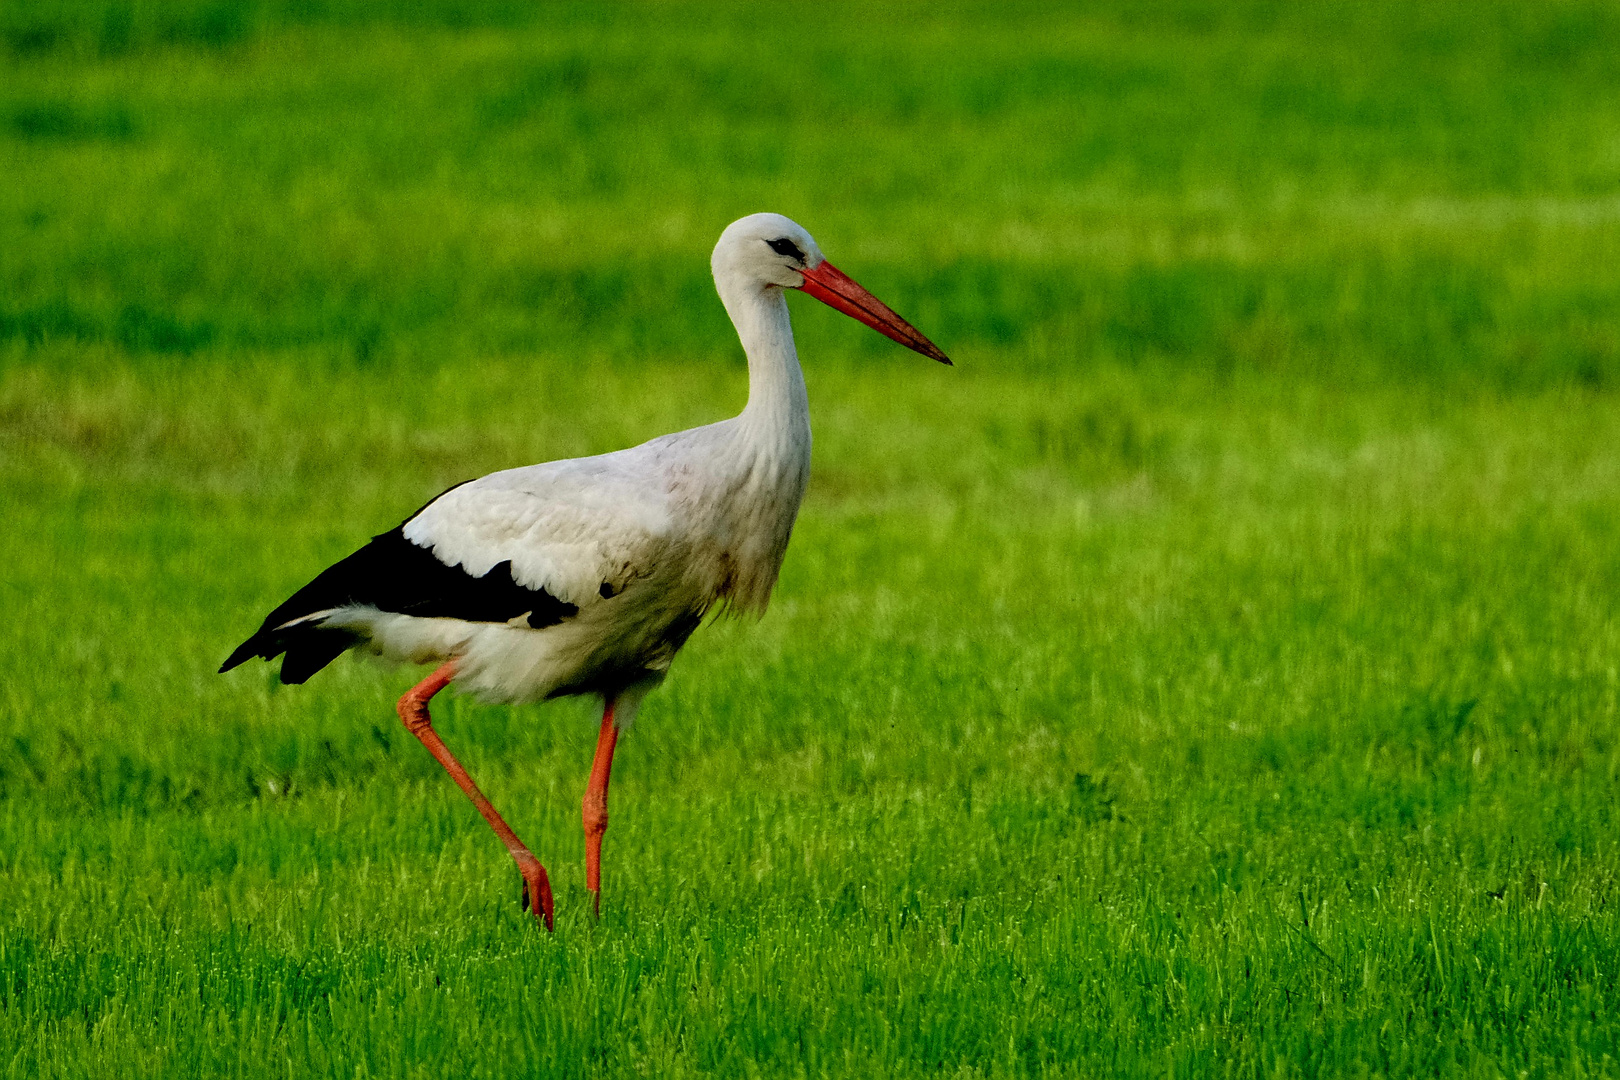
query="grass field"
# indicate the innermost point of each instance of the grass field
(1214, 674)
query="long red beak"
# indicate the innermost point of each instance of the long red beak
(838, 290)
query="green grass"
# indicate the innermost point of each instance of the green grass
(1214, 674)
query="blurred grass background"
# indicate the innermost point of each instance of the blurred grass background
(1215, 673)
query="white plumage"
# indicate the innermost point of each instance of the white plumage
(587, 575)
(641, 541)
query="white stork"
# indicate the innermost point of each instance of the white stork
(586, 576)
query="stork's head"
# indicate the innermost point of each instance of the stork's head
(771, 251)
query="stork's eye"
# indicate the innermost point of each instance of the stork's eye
(784, 246)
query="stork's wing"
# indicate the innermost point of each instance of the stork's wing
(534, 544)
(575, 529)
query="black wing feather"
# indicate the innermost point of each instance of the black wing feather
(391, 574)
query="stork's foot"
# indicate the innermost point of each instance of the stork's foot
(536, 884)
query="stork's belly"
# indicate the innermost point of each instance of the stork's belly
(513, 663)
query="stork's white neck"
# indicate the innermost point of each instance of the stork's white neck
(777, 417)
(761, 463)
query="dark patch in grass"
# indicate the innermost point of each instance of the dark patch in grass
(1566, 38)
(139, 329)
(119, 28)
(31, 40)
(1178, 310)
(45, 322)
(111, 28)
(1442, 720)
(545, 86)
(1091, 800)
(135, 328)
(65, 122)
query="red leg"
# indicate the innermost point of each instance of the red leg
(413, 709)
(593, 810)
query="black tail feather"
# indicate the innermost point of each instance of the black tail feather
(244, 652)
(312, 650)
(391, 574)
(308, 649)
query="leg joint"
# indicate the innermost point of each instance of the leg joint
(414, 713)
